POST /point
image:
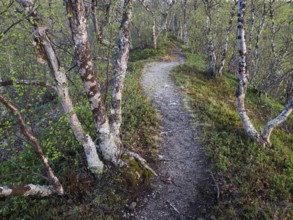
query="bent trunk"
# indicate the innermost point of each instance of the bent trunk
(263, 138)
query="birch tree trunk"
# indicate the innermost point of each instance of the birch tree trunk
(185, 34)
(27, 190)
(243, 74)
(120, 71)
(154, 34)
(212, 58)
(225, 47)
(31, 189)
(257, 42)
(154, 25)
(43, 41)
(95, 21)
(261, 138)
(107, 146)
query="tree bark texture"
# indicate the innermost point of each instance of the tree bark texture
(45, 44)
(107, 140)
(120, 66)
(243, 74)
(27, 190)
(263, 138)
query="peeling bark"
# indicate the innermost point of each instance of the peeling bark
(40, 34)
(120, 70)
(27, 190)
(78, 23)
(39, 152)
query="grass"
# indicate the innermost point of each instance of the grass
(255, 183)
(87, 197)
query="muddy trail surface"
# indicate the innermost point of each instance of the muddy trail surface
(184, 188)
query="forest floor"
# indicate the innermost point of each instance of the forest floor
(184, 188)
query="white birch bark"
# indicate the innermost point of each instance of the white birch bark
(212, 58)
(120, 70)
(263, 138)
(243, 74)
(277, 121)
(78, 24)
(27, 190)
(40, 34)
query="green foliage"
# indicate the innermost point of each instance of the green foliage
(143, 54)
(85, 196)
(255, 183)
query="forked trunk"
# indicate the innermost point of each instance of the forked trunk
(78, 23)
(261, 138)
(42, 40)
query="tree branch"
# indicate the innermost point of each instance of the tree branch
(39, 152)
(27, 190)
(27, 82)
(277, 120)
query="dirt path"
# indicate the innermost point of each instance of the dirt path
(183, 189)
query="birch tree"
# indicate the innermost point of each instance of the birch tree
(263, 137)
(185, 34)
(212, 57)
(225, 46)
(48, 55)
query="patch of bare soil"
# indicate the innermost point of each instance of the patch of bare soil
(184, 188)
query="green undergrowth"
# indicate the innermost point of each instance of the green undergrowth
(86, 197)
(254, 182)
(164, 51)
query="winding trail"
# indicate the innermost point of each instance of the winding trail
(183, 189)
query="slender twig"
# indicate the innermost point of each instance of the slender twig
(216, 184)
